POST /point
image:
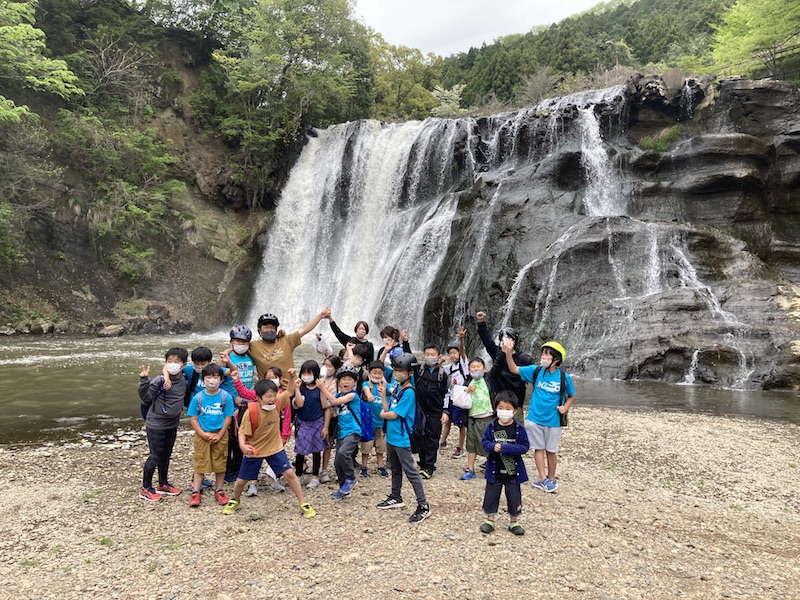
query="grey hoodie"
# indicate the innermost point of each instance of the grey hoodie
(165, 405)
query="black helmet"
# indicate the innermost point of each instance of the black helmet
(268, 319)
(404, 361)
(347, 370)
(509, 332)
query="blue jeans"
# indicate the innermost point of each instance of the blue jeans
(491, 498)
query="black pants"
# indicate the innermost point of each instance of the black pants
(300, 463)
(491, 497)
(433, 431)
(235, 455)
(161, 442)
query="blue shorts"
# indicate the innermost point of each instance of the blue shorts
(251, 466)
(457, 416)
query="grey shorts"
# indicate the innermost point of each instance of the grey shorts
(543, 438)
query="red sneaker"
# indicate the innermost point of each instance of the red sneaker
(168, 489)
(194, 499)
(149, 494)
(221, 497)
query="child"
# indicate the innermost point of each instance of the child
(456, 374)
(430, 387)
(480, 414)
(399, 412)
(505, 441)
(275, 375)
(259, 439)
(328, 376)
(543, 422)
(164, 405)
(372, 396)
(210, 413)
(312, 422)
(348, 404)
(240, 361)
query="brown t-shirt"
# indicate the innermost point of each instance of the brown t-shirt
(275, 354)
(267, 437)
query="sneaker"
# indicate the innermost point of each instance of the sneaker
(363, 472)
(308, 510)
(516, 529)
(391, 503)
(207, 484)
(277, 486)
(550, 485)
(337, 495)
(487, 526)
(423, 512)
(324, 477)
(229, 478)
(149, 494)
(458, 453)
(168, 490)
(230, 507)
(252, 489)
(313, 483)
(468, 474)
(424, 473)
(347, 487)
(383, 472)
(194, 499)
(221, 497)
(539, 485)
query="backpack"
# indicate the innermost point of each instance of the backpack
(416, 434)
(365, 422)
(563, 419)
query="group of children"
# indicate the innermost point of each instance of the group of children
(243, 411)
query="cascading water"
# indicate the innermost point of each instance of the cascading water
(603, 188)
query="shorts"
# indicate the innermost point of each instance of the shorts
(457, 416)
(475, 429)
(379, 443)
(210, 458)
(543, 438)
(251, 466)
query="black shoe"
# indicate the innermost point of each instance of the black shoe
(516, 529)
(391, 503)
(423, 512)
(487, 526)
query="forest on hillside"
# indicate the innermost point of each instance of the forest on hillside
(82, 80)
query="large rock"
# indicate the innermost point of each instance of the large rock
(111, 331)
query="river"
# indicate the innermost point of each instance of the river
(62, 388)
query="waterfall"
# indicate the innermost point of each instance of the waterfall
(603, 188)
(687, 100)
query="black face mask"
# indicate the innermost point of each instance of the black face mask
(269, 336)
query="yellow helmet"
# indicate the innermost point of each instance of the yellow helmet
(557, 347)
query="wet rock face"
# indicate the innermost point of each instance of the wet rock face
(690, 282)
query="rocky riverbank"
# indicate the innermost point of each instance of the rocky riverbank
(650, 505)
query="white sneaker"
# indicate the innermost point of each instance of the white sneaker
(313, 483)
(324, 477)
(277, 486)
(252, 490)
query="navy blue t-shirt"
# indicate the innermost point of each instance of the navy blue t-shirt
(312, 407)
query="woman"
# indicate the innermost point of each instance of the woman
(361, 330)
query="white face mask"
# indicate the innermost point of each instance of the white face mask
(323, 372)
(268, 406)
(212, 384)
(476, 374)
(307, 378)
(546, 361)
(376, 380)
(241, 348)
(505, 415)
(174, 368)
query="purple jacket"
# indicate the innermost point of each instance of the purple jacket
(517, 450)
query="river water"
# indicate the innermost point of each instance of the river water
(62, 388)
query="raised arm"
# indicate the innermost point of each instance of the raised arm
(508, 350)
(325, 314)
(462, 352)
(486, 337)
(340, 335)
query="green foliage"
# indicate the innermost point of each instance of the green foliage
(10, 240)
(662, 140)
(757, 32)
(449, 102)
(400, 82)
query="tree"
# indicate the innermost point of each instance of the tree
(400, 77)
(537, 86)
(761, 30)
(23, 63)
(449, 102)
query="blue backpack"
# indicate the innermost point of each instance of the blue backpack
(365, 422)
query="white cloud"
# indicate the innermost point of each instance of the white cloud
(449, 26)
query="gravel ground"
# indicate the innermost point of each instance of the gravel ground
(649, 505)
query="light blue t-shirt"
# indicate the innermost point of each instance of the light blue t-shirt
(247, 370)
(546, 395)
(376, 406)
(404, 404)
(347, 423)
(211, 410)
(226, 384)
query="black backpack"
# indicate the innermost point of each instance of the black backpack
(416, 434)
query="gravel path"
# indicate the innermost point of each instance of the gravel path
(650, 505)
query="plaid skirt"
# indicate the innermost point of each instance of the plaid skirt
(308, 437)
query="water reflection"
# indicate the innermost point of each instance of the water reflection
(57, 387)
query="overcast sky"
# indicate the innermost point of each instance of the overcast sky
(449, 26)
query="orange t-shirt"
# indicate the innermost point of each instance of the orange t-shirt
(267, 437)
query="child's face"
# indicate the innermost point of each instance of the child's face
(199, 365)
(376, 374)
(329, 365)
(453, 354)
(476, 366)
(503, 405)
(431, 353)
(211, 381)
(346, 384)
(240, 346)
(268, 399)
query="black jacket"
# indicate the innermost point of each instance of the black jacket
(500, 378)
